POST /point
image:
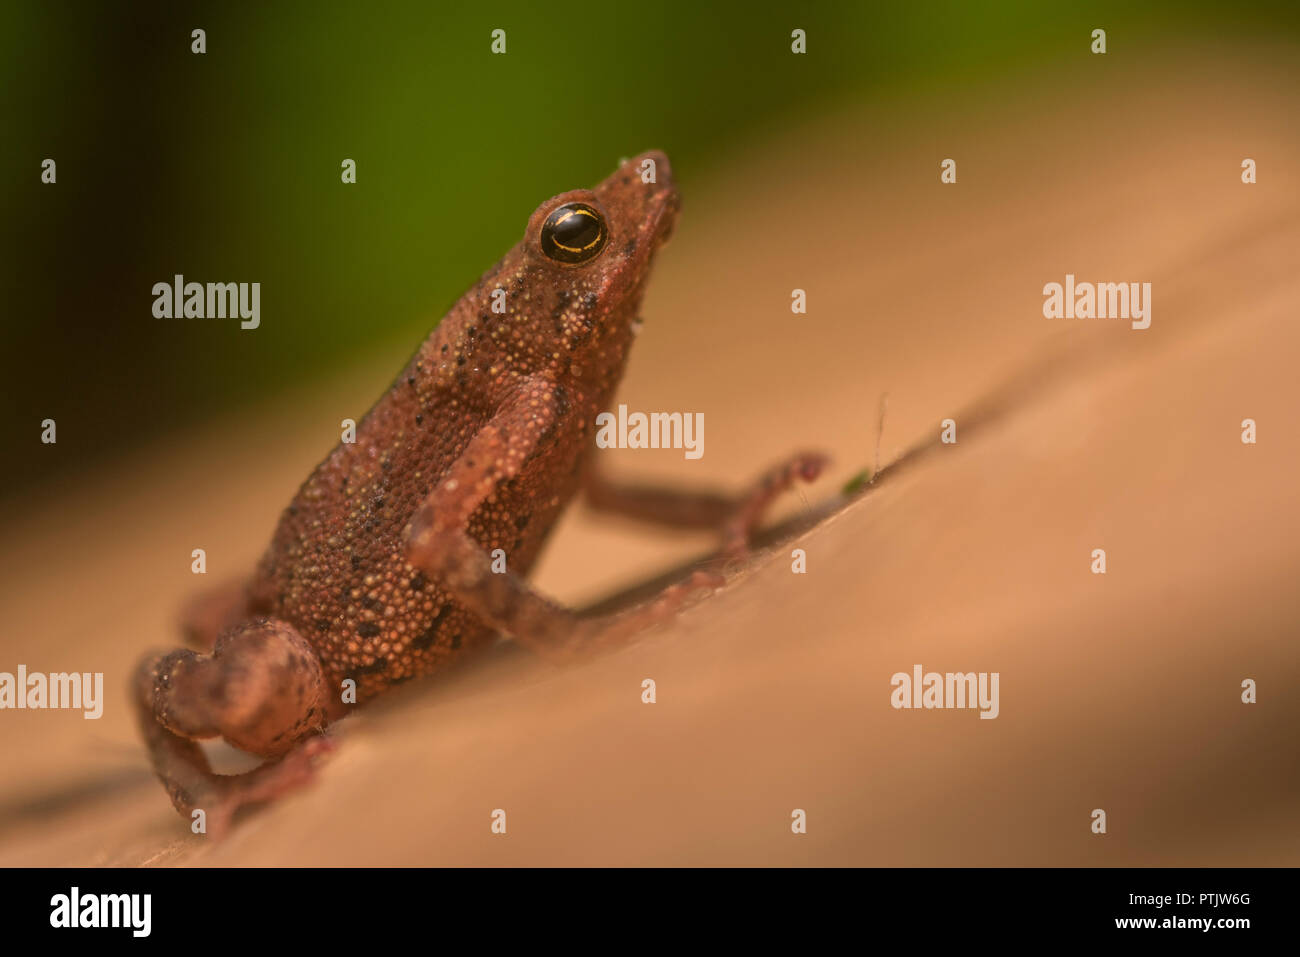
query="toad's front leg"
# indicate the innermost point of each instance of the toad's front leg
(262, 689)
(439, 542)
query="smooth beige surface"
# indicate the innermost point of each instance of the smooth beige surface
(1118, 692)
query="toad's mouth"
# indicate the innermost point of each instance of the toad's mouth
(658, 227)
(665, 220)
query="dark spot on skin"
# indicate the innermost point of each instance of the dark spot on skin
(386, 465)
(356, 561)
(521, 521)
(562, 405)
(630, 247)
(410, 380)
(515, 546)
(293, 509)
(322, 624)
(418, 581)
(561, 305)
(378, 665)
(470, 331)
(590, 299)
(378, 503)
(368, 629)
(419, 419)
(371, 603)
(444, 348)
(430, 633)
(460, 360)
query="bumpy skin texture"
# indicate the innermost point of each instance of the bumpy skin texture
(379, 569)
(337, 566)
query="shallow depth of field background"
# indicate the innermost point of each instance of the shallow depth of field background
(225, 166)
(818, 172)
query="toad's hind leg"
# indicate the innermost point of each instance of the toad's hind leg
(262, 689)
(734, 517)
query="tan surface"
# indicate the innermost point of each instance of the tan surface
(1119, 692)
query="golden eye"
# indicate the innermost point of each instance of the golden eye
(574, 233)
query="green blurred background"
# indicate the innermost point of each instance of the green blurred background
(226, 166)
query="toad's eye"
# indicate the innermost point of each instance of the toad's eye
(574, 233)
